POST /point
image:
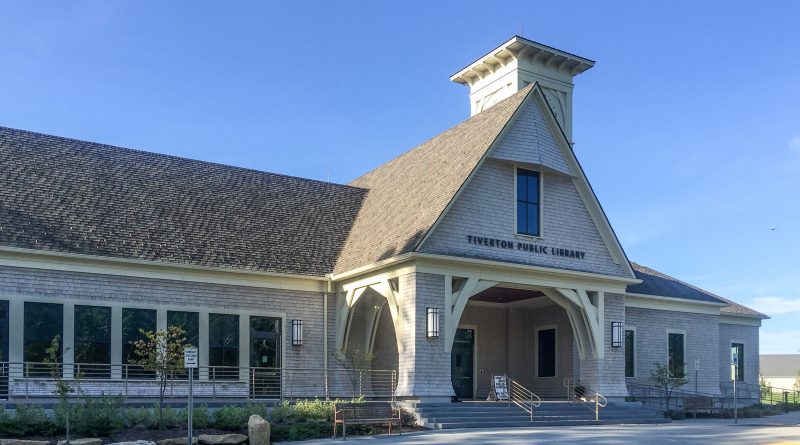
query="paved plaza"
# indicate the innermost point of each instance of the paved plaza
(782, 429)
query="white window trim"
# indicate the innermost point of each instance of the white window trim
(635, 355)
(536, 331)
(685, 351)
(540, 236)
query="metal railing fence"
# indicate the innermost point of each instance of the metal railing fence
(26, 380)
(579, 392)
(523, 397)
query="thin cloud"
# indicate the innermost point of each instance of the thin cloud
(794, 144)
(776, 305)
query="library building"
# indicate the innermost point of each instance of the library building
(478, 259)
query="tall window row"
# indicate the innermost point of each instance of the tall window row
(92, 349)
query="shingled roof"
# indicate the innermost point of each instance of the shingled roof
(409, 193)
(662, 285)
(66, 195)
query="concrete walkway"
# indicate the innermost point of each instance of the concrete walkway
(782, 429)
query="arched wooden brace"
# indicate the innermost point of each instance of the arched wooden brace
(586, 317)
(347, 301)
(455, 302)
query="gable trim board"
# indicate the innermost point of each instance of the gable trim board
(580, 181)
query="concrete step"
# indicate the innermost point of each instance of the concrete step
(540, 423)
(500, 415)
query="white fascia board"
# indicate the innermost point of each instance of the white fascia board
(73, 262)
(672, 304)
(742, 320)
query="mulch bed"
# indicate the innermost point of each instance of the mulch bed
(130, 435)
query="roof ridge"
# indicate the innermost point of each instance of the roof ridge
(166, 156)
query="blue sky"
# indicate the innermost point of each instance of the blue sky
(688, 126)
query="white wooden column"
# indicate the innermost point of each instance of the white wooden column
(116, 342)
(202, 345)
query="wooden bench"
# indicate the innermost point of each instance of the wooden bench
(700, 403)
(364, 413)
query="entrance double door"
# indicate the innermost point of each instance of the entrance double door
(462, 363)
(265, 357)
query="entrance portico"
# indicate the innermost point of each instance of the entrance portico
(506, 306)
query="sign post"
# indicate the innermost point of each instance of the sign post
(735, 365)
(190, 364)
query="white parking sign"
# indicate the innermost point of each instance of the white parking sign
(190, 358)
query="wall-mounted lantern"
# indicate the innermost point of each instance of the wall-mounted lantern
(432, 322)
(616, 334)
(297, 332)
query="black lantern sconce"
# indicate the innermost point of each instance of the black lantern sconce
(297, 332)
(432, 322)
(616, 334)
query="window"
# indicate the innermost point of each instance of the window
(527, 202)
(190, 322)
(42, 323)
(737, 370)
(677, 360)
(133, 322)
(3, 330)
(630, 354)
(223, 345)
(546, 353)
(93, 341)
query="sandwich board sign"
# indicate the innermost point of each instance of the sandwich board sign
(500, 384)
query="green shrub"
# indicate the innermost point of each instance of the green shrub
(675, 414)
(94, 417)
(173, 418)
(313, 409)
(201, 418)
(139, 417)
(281, 413)
(28, 420)
(234, 418)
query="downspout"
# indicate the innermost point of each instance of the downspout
(325, 295)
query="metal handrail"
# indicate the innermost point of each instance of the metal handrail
(523, 397)
(595, 401)
(33, 379)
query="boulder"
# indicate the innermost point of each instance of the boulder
(176, 441)
(258, 430)
(222, 439)
(87, 441)
(135, 442)
(23, 442)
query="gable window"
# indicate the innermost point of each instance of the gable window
(528, 191)
(737, 351)
(677, 359)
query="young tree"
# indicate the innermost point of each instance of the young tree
(63, 386)
(662, 378)
(161, 352)
(354, 361)
(764, 386)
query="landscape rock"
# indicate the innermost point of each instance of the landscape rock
(222, 439)
(176, 441)
(87, 441)
(258, 430)
(135, 442)
(23, 442)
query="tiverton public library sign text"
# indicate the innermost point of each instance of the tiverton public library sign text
(525, 247)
